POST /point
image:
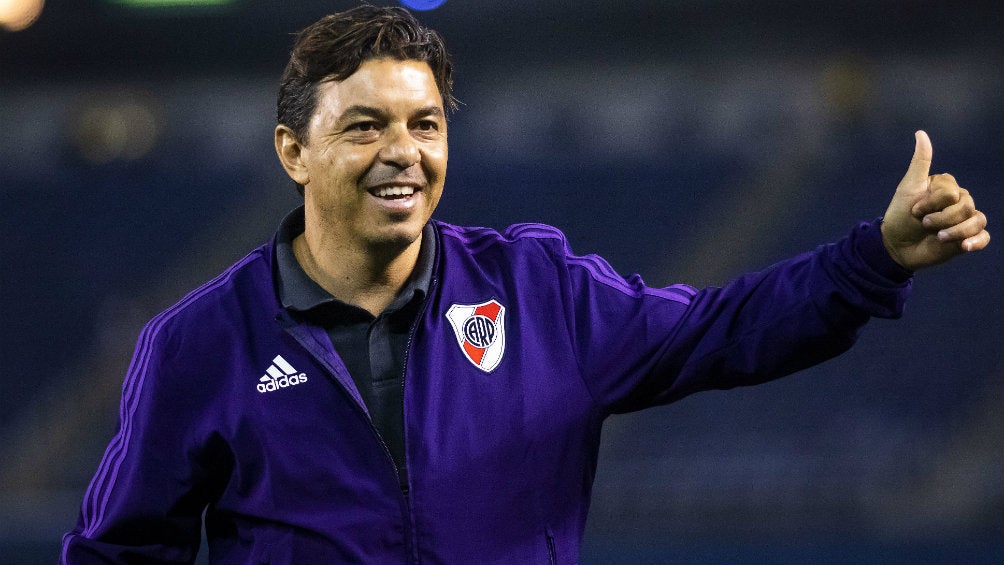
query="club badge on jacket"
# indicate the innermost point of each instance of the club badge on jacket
(480, 332)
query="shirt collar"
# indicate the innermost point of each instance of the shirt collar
(299, 292)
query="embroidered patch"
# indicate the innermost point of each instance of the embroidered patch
(480, 331)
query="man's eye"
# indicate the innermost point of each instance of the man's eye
(364, 126)
(427, 125)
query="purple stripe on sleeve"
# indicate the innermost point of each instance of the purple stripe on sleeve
(100, 490)
(538, 231)
(475, 239)
(670, 293)
(127, 427)
(599, 270)
(117, 444)
(66, 545)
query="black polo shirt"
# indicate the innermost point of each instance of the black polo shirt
(372, 348)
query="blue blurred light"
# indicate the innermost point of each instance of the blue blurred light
(423, 4)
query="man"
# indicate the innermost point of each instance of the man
(377, 387)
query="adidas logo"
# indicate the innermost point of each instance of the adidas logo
(280, 374)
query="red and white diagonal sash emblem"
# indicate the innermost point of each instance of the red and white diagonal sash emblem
(480, 332)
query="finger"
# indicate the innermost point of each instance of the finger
(952, 214)
(977, 242)
(920, 165)
(964, 230)
(942, 192)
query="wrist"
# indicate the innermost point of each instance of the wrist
(889, 263)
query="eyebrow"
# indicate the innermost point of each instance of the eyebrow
(430, 111)
(359, 110)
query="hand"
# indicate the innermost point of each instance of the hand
(931, 218)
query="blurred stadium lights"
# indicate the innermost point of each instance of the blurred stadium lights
(848, 88)
(423, 4)
(16, 15)
(115, 126)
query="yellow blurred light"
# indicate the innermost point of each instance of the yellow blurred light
(16, 15)
(115, 126)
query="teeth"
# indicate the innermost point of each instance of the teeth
(394, 191)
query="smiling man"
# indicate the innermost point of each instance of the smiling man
(374, 386)
(372, 162)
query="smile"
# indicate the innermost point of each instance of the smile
(393, 191)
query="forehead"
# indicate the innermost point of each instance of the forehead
(386, 84)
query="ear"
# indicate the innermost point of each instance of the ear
(290, 152)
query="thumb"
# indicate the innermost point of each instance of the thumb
(920, 165)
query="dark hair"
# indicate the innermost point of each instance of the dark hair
(336, 45)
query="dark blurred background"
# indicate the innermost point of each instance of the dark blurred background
(685, 140)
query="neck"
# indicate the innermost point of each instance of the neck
(368, 278)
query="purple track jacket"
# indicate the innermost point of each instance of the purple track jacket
(521, 351)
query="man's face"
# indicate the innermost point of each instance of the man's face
(375, 157)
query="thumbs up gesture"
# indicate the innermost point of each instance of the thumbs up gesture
(931, 218)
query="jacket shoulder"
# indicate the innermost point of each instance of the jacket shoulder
(477, 239)
(217, 302)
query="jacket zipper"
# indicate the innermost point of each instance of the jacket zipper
(411, 540)
(404, 423)
(403, 488)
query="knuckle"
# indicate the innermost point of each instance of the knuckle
(942, 180)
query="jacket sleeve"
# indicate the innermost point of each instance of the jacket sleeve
(145, 502)
(640, 346)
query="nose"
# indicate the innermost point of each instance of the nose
(400, 148)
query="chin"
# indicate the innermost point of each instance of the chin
(399, 237)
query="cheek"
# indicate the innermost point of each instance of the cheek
(348, 164)
(436, 158)
(344, 164)
(337, 174)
